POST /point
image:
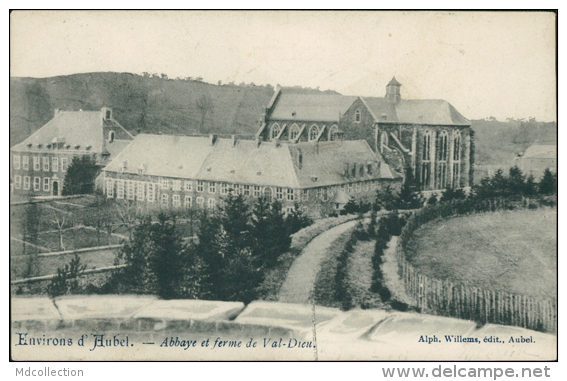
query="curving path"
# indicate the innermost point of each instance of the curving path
(302, 273)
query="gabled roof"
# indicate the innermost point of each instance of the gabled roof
(163, 155)
(310, 107)
(326, 161)
(414, 111)
(541, 151)
(82, 128)
(270, 163)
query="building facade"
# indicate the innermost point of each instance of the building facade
(298, 118)
(429, 137)
(159, 171)
(38, 164)
(537, 159)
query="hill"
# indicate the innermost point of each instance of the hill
(147, 103)
(152, 104)
(497, 143)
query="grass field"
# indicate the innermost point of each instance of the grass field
(512, 251)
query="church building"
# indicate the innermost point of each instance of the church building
(429, 137)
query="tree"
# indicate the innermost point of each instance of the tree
(67, 279)
(62, 220)
(157, 261)
(296, 220)
(169, 257)
(351, 207)
(205, 106)
(128, 213)
(386, 198)
(531, 187)
(548, 183)
(408, 198)
(516, 181)
(268, 232)
(499, 183)
(81, 175)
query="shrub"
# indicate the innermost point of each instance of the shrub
(67, 279)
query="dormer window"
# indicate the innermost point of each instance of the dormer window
(108, 114)
(88, 147)
(313, 133)
(357, 116)
(77, 146)
(275, 131)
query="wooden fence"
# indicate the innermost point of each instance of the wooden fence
(446, 298)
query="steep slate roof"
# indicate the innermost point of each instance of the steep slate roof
(163, 155)
(269, 163)
(311, 107)
(83, 128)
(415, 111)
(541, 151)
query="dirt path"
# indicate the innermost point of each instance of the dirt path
(391, 276)
(301, 276)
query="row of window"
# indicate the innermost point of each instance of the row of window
(23, 162)
(140, 190)
(146, 191)
(294, 130)
(18, 184)
(443, 140)
(441, 181)
(224, 188)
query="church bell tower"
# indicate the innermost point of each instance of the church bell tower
(393, 91)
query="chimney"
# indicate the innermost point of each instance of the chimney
(56, 112)
(106, 113)
(277, 142)
(212, 139)
(233, 140)
(257, 141)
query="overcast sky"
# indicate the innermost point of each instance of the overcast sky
(497, 64)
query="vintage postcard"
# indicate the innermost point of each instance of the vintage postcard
(283, 185)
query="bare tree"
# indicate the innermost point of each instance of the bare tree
(128, 214)
(62, 221)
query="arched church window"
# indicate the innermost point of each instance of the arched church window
(332, 132)
(443, 146)
(357, 116)
(456, 145)
(313, 133)
(427, 146)
(294, 132)
(425, 171)
(275, 131)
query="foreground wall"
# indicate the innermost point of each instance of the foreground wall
(146, 328)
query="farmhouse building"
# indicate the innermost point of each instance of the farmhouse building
(429, 137)
(537, 159)
(39, 163)
(161, 171)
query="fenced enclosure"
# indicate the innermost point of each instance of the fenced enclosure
(447, 298)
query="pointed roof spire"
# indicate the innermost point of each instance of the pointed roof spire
(394, 82)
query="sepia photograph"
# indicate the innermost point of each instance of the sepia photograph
(283, 186)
